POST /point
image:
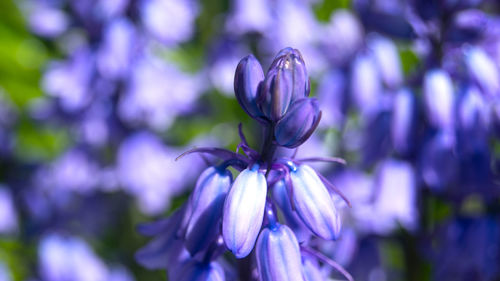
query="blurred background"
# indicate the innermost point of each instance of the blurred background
(98, 97)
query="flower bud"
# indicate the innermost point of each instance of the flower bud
(278, 255)
(298, 124)
(314, 204)
(285, 82)
(244, 211)
(248, 75)
(295, 67)
(207, 201)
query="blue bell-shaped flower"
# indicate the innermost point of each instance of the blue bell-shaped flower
(313, 203)
(439, 99)
(278, 254)
(207, 201)
(244, 211)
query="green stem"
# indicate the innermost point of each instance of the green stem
(268, 147)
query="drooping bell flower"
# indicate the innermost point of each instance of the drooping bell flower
(298, 124)
(403, 121)
(395, 179)
(387, 60)
(484, 70)
(247, 78)
(439, 162)
(439, 98)
(473, 111)
(366, 85)
(207, 201)
(286, 82)
(313, 203)
(244, 211)
(278, 254)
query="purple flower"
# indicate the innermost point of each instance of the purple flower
(109, 9)
(403, 121)
(332, 96)
(313, 203)
(387, 59)
(286, 82)
(438, 161)
(158, 177)
(298, 123)
(47, 21)
(178, 15)
(249, 15)
(73, 171)
(157, 93)
(247, 78)
(8, 214)
(295, 25)
(69, 258)
(278, 254)
(439, 98)
(484, 71)
(473, 111)
(244, 211)
(395, 179)
(119, 273)
(366, 85)
(343, 36)
(207, 201)
(116, 52)
(69, 81)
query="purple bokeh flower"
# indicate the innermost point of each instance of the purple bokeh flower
(178, 16)
(8, 213)
(147, 169)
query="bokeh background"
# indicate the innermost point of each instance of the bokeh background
(98, 97)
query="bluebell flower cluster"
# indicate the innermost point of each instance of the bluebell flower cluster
(274, 202)
(99, 97)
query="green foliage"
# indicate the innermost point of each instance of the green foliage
(36, 143)
(324, 9)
